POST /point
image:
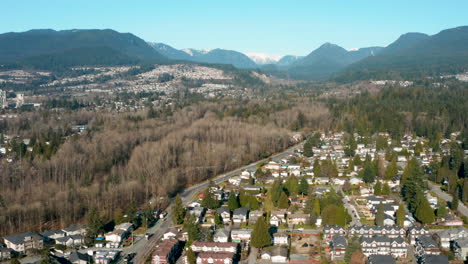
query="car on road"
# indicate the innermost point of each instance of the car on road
(129, 257)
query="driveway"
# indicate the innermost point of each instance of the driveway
(447, 197)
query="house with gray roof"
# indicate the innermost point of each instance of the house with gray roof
(221, 235)
(5, 253)
(338, 246)
(381, 259)
(24, 242)
(425, 245)
(434, 259)
(460, 248)
(239, 215)
(79, 258)
(53, 234)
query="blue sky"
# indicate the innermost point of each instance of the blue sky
(273, 27)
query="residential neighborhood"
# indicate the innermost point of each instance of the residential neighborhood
(313, 206)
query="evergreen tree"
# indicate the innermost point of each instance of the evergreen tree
(378, 188)
(209, 236)
(400, 215)
(442, 210)
(368, 175)
(193, 228)
(303, 186)
(464, 191)
(233, 202)
(260, 235)
(412, 188)
(191, 258)
(179, 211)
(317, 208)
(217, 219)
(341, 216)
(316, 168)
(95, 225)
(292, 185)
(454, 203)
(276, 191)
(380, 216)
(391, 171)
(425, 213)
(381, 143)
(209, 201)
(386, 189)
(283, 201)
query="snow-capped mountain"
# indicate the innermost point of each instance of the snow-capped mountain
(262, 58)
(196, 52)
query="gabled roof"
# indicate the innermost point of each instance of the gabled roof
(223, 210)
(222, 233)
(339, 241)
(279, 251)
(77, 256)
(240, 211)
(52, 233)
(19, 238)
(381, 259)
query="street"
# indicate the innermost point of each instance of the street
(445, 196)
(144, 247)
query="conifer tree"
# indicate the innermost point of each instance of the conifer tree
(317, 208)
(95, 225)
(391, 171)
(425, 213)
(191, 258)
(304, 186)
(368, 175)
(283, 201)
(400, 214)
(353, 246)
(233, 202)
(378, 188)
(380, 216)
(209, 201)
(454, 203)
(386, 189)
(260, 235)
(442, 210)
(179, 211)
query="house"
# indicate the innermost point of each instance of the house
(252, 188)
(225, 214)
(355, 181)
(166, 252)
(75, 230)
(331, 230)
(338, 181)
(370, 231)
(5, 253)
(322, 180)
(266, 254)
(452, 220)
(215, 258)
(277, 217)
(235, 180)
(279, 255)
(202, 246)
(280, 239)
(388, 220)
(52, 234)
(365, 192)
(460, 248)
(415, 232)
(272, 166)
(171, 233)
(70, 241)
(445, 236)
(298, 218)
(380, 259)
(221, 235)
(425, 245)
(384, 245)
(239, 215)
(127, 227)
(434, 259)
(254, 215)
(115, 236)
(241, 235)
(80, 258)
(24, 242)
(338, 246)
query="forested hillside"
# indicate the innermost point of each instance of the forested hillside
(124, 160)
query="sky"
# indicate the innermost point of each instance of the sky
(292, 27)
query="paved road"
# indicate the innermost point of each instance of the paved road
(253, 255)
(144, 247)
(355, 218)
(445, 196)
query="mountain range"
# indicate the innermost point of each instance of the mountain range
(411, 54)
